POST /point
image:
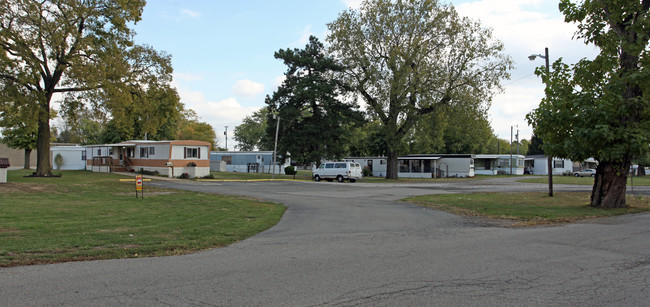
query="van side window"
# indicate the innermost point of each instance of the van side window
(340, 165)
(329, 165)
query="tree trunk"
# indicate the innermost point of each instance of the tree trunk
(43, 165)
(641, 171)
(28, 154)
(610, 185)
(392, 167)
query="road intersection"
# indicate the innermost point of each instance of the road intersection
(356, 244)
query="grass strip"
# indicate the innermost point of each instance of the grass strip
(527, 209)
(88, 216)
(637, 181)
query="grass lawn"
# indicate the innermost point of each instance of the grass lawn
(526, 209)
(638, 181)
(84, 216)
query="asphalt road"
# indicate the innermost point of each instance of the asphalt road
(355, 244)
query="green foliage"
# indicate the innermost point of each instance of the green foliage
(58, 161)
(290, 170)
(535, 147)
(249, 134)
(451, 130)
(600, 108)
(313, 121)
(190, 128)
(72, 47)
(366, 171)
(411, 58)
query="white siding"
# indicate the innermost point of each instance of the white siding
(72, 157)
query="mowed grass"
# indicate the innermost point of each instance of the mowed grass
(86, 216)
(526, 209)
(637, 181)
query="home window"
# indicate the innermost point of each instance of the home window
(227, 159)
(83, 155)
(99, 152)
(144, 152)
(558, 163)
(110, 151)
(191, 153)
(152, 151)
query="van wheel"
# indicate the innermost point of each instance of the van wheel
(339, 178)
(353, 180)
(316, 178)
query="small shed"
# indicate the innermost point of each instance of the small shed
(4, 164)
(73, 157)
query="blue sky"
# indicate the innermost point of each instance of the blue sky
(222, 51)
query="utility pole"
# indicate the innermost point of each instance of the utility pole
(225, 133)
(510, 150)
(549, 162)
(275, 147)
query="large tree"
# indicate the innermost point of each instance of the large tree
(310, 106)
(191, 128)
(410, 58)
(57, 47)
(249, 134)
(18, 117)
(600, 108)
(460, 130)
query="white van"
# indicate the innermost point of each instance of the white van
(340, 171)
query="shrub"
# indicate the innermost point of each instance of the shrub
(366, 171)
(184, 176)
(208, 177)
(58, 161)
(146, 172)
(290, 170)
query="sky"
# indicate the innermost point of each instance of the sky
(222, 50)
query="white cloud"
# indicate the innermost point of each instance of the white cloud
(525, 27)
(279, 80)
(304, 37)
(247, 88)
(190, 13)
(187, 77)
(354, 4)
(219, 114)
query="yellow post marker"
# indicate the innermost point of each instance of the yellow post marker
(138, 186)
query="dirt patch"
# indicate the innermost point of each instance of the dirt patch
(28, 188)
(147, 193)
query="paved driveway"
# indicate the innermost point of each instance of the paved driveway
(354, 244)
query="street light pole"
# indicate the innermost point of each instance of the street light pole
(275, 147)
(549, 162)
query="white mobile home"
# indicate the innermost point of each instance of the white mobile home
(499, 164)
(422, 166)
(73, 157)
(170, 158)
(247, 161)
(376, 165)
(538, 165)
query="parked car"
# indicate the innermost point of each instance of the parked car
(340, 171)
(590, 172)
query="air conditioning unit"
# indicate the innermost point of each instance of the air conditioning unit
(169, 164)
